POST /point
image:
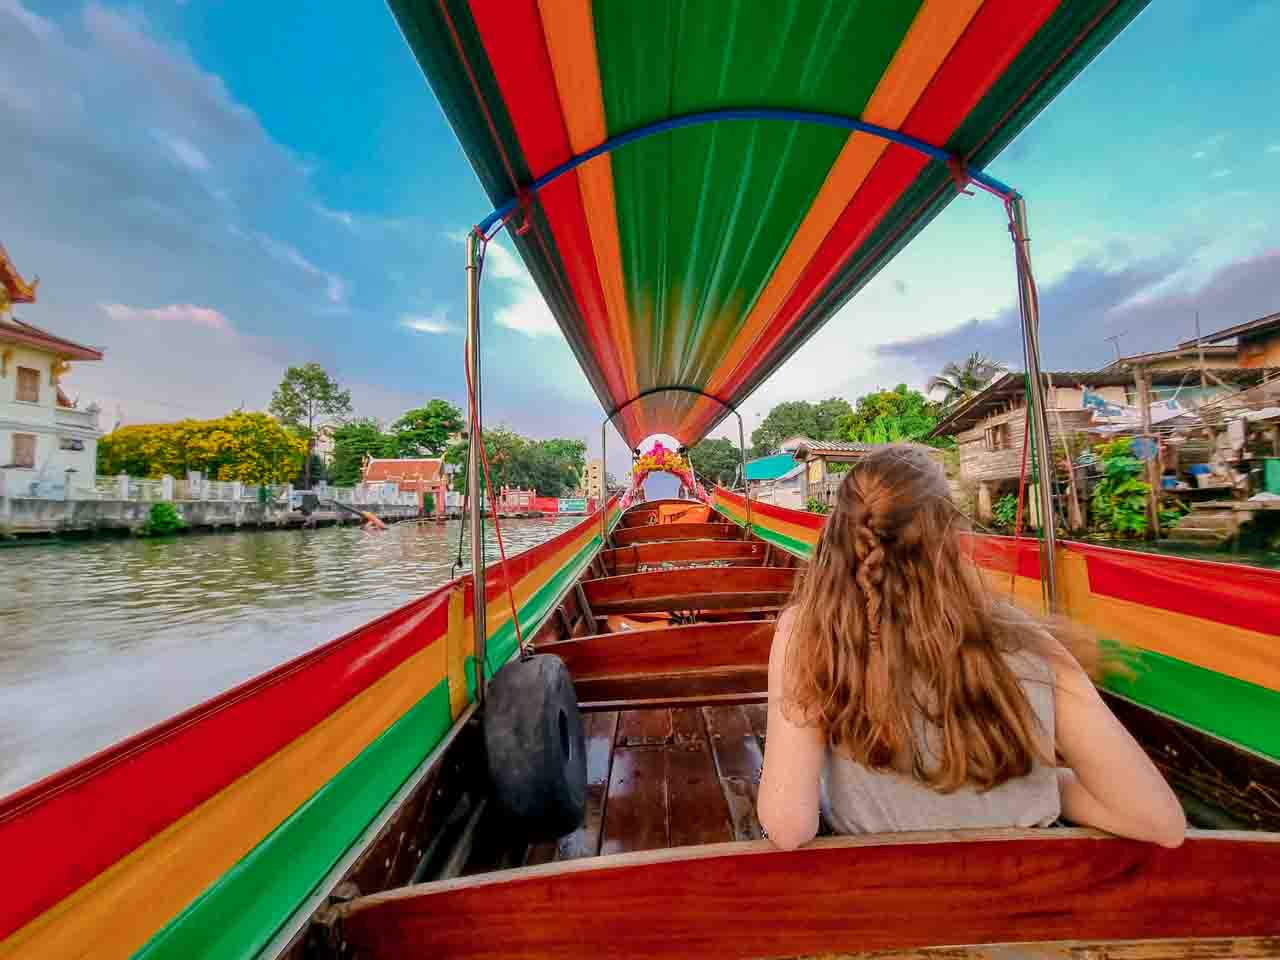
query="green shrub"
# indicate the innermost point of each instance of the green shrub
(1171, 511)
(163, 520)
(1120, 498)
(814, 505)
(1004, 513)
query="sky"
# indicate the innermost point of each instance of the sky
(212, 190)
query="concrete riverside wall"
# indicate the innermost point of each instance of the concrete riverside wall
(20, 515)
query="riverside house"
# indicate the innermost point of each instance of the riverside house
(48, 447)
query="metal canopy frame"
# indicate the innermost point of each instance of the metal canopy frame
(742, 439)
(963, 175)
(959, 169)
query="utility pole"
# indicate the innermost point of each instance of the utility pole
(1115, 342)
(1200, 347)
(1143, 380)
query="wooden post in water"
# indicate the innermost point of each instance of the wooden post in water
(1143, 380)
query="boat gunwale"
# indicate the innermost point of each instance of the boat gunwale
(735, 848)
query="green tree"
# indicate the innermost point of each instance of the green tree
(892, 416)
(799, 418)
(827, 416)
(572, 452)
(425, 431)
(352, 442)
(959, 381)
(552, 468)
(717, 460)
(307, 394)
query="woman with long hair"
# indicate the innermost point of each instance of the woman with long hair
(904, 695)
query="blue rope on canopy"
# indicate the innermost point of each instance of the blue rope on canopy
(986, 181)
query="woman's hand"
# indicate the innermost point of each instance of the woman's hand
(793, 758)
(1112, 783)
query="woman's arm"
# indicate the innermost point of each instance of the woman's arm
(1112, 783)
(793, 756)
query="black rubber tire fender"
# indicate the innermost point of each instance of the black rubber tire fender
(535, 747)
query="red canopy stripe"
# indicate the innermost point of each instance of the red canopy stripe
(511, 31)
(979, 58)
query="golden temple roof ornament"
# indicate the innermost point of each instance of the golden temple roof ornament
(13, 289)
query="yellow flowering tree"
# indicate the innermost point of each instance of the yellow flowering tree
(249, 447)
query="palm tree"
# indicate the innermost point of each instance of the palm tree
(960, 381)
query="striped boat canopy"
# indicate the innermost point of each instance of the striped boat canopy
(697, 185)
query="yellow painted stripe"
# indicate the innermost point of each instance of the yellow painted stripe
(118, 911)
(498, 607)
(1233, 651)
(458, 646)
(570, 35)
(783, 527)
(936, 28)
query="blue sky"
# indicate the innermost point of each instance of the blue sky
(215, 190)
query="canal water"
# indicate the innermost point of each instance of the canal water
(100, 639)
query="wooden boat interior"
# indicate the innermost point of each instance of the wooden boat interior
(667, 637)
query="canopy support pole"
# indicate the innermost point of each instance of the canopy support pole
(1029, 306)
(473, 463)
(746, 484)
(604, 485)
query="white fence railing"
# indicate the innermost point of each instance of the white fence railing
(149, 490)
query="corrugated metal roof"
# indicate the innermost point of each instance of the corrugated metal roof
(969, 413)
(770, 468)
(1261, 325)
(835, 446)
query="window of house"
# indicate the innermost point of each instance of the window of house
(28, 385)
(996, 437)
(24, 450)
(70, 443)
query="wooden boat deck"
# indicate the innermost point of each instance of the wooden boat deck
(663, 778)
(667, 638)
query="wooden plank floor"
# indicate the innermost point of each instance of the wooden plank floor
(668, 777)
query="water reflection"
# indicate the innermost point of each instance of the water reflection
(101, 639)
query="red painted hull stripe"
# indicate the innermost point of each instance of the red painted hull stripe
(69, 827)
(800, 518)
(1239, 596)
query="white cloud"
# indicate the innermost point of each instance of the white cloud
(335, 287)
(343, 217)
(525, 311)
(1273, 148)
(177, 313)
(184, 151)
(1199, 155)
(1219, 174)
(434, 322)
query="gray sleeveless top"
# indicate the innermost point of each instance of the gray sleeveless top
(856, 799)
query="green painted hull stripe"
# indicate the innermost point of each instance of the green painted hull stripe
(238, 915)
(1244, 713)
(241, 912)
(532, 614)
(793, 546)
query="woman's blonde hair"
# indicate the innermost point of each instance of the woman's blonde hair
(892, 621)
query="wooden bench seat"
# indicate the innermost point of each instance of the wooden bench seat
(696, 588)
